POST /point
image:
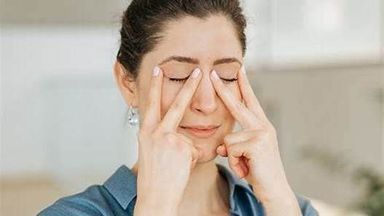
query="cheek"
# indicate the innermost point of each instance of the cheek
(226, 114)
(234, 88)
(168, 95)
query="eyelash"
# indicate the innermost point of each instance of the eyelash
(184, 79)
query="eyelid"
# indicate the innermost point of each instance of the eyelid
(184, 79)
(178, 79)
(229, 80)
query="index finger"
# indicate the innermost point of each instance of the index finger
(236, 108)
(175, 113)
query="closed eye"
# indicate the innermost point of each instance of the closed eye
(184, 79)
(178, 80)
(229, 80)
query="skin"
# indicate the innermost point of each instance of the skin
(169, 153)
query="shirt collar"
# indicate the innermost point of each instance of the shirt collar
(235, 183)
(123, 184)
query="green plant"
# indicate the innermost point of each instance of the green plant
(372, 201)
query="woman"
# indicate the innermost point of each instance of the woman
(180, 64)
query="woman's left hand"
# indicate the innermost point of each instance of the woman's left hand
(252, 153)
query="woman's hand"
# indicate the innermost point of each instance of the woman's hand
(253, 153)
(165, 156)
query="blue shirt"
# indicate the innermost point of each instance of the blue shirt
(117, 197)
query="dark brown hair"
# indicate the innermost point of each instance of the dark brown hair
(143, 21)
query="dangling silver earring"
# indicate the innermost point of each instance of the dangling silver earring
(132, 116)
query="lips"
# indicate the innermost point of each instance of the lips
(201, 127)
(202, 131)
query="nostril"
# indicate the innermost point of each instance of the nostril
(205, 99)
(205, 107)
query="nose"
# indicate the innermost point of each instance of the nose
(205, 99)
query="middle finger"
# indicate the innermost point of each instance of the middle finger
(175, 113)
(237, 109)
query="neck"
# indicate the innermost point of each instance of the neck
(206, 190)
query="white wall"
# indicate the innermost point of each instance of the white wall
(61, 111)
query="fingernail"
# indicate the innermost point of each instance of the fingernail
(214, 75)
(195, 73)
(156, 71)
(243, 69)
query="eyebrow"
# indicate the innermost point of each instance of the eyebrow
(190, 60)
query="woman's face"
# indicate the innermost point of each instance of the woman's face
(207, 44)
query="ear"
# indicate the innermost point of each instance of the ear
(126, 84)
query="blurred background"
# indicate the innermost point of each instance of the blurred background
(316, 66)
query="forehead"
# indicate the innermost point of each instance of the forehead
(206, 39)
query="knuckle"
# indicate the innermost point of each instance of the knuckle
(263, 134)
(170, 137)
(172, 140)
(186, 150)
(230, 148)
(254, 139)
(227, 140)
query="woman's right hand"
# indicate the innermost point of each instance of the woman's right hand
(165, 156)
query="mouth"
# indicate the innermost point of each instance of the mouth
(202, 131)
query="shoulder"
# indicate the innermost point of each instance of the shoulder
(306, 206)
(89, 202)
(115, 197)
(244, 202)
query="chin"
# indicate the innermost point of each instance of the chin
(209, 152)
(207, 158)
